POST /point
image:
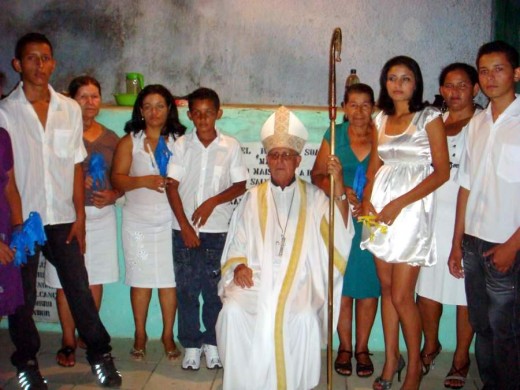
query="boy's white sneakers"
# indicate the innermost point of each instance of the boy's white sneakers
(212, 357)
(191, 359)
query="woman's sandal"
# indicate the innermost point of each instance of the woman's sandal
(173, 354)
(457, 374)
(66, 357)
(343, 368)
(364, 370)
(137, 354)
(430, 357)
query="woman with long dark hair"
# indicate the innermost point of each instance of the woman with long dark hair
(409, 160)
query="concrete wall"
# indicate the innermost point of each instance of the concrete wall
(269, 51)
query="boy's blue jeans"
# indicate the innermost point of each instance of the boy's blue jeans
(197, 271)
(494, 312)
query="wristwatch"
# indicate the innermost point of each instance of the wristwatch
(341, 197)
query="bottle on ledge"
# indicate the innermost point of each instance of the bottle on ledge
(351, 79)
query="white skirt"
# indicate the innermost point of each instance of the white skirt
(436, 282)
(147, 244)
(101, 258)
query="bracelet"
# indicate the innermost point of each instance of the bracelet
(341, 197)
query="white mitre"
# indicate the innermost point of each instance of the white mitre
(283, 130)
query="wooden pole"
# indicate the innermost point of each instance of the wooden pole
(335, 52)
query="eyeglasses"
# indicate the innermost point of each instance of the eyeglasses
(158, 107)
(285, 156)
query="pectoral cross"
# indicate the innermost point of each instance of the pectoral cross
(282, 245)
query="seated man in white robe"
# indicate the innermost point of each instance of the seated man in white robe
(275, 270)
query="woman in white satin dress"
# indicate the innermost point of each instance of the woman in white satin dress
(458, 85)
(409, 161)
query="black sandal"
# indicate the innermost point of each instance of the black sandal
(364, 370)
(345, 368)
(457, 374)
(430, 357)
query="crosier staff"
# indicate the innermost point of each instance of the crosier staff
(335, 56)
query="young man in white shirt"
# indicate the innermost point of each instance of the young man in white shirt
(208, 172)
(487, 225)
(46, 132)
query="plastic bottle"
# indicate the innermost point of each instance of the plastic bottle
(352, 79)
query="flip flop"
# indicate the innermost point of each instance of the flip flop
(66, 357)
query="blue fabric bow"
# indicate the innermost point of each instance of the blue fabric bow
(162, 157)
(359, 181)
(25, 239)
(97, 170)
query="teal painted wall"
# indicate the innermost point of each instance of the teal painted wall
(244, 124)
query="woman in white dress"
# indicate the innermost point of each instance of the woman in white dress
(101, 258)
(409, 160)
(458, 85)
(147, 216)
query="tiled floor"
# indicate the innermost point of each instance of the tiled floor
(156, 372)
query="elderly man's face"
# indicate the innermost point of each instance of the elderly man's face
(282, 163)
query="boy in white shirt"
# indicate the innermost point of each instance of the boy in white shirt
(487, 225)
(208, 172)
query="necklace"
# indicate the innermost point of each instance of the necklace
(282, 237)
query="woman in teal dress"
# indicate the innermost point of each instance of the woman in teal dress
(360, 283)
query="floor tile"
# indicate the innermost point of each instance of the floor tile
(157, 372)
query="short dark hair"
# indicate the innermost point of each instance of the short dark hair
(204, 94)
(32, 37)
(81, 81)
(172, 127)
(385, 102)
(359, 88)
(470, 71)
(499, 47)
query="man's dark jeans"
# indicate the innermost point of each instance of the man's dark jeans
(494, 312)
(197, 271)
(70, 265)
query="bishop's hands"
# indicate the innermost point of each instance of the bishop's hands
(243, 276)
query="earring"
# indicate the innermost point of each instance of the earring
(444, 107)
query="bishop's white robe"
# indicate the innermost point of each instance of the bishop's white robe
(270, 336)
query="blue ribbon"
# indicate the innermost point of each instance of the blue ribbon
(162, 157)
(360, 180)
(97, 170)
(24, 240)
